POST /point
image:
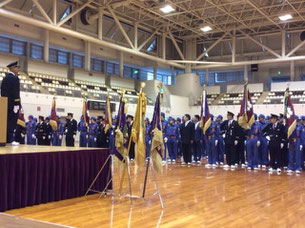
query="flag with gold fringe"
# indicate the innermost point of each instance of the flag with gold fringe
(108, 116)
(85, 112)
(289, 114)
(138, 129)
(21, 120)
(246, 114)
(205, 121)
(53, 119)
(157, 146)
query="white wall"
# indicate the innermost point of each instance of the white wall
(213, 89)
(54, 69)
(80, 74)
(292, 86)
(122, 82)
(240, 88)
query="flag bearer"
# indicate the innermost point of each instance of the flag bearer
(171, 136)
(57, 134)
(264, 143)
(211, 136)
(92, 134)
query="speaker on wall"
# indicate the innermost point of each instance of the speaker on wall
(254, 67)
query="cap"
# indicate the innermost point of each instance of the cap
(219, 117)
(178, 119)
(13, 64)
(163, 114)
(31, 116)
(261, 116)
(274, 116)
(70, 114)
(129, 116)
(115, 117)
(93, 118)
(297, 117)
(281, 115)
(41, 117)
(255, 115)
(47, 118)
(212, 116)
(147, 119)
(57, 116)
(230, 114)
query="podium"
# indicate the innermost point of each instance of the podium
(3, 120)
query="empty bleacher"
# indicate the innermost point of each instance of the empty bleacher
(277, 96)
(234, 98)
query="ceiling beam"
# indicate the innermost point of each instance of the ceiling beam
(296, 48)
(41, 10)
(176, 45)
(2, 4)
(148, 39)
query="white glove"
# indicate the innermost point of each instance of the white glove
(165, 139)
(22, 135)
(268, 137)
(49, 137)
(301, 147)
(287, 145)
(43, 137)
(60, 137)
(235, 142)
(216, 142)
(16, 108)
(282, 145)
(246, 143)
(149, 142)
(66, 131)
(73, 136)
(86, 136)
(258, 143)
(223, 135)
(33, 136)
(94, 139)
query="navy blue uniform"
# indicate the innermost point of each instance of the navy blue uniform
(92, 135)
(10, 88)
(197, 143)
(172, 136)
(252, 145)
(57, 134)
(263, 157)
(164, 126)
(295, 156)
(147, 139)
(39, 133)
(211, 135)
(83, 133)
(70, 132)
(30, 132)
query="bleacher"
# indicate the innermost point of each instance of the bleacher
(277, 96)
(56, 85)
(210, 97)
(234, 98)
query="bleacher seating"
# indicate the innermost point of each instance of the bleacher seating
(210, 97)
(234, 98)
(56, 85)
(277, 96)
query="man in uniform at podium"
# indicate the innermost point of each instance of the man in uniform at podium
(10, 88)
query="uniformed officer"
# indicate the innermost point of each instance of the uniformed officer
(92, 134)
(48, 132)
(264, 159)
(253, 144)
(295, 156)
(275, 133)
(58, 133)
(284, 150)
(211, 139)
(147, 136)
(164, 126)
(70, 130)
(240, 147)
(220, 147)
(197, 140)
(40, 129)
(30, 131)
(171, 136)
(129, 123)
(102, 136)
(229, 129)
(10, 88)
(83, 132)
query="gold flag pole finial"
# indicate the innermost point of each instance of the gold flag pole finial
(160, 86)
(142, 85)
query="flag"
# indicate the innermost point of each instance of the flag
(21, 120)
(86, 112)
(108, 116)
(157, 146)
(53, 119)
(138, 130)
(289, 114)
(246, 114)
(205, 121)
(120, 145)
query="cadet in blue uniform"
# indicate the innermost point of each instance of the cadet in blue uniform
(252, 144)
(211, 138)
(57, 134)
(264, 143)
(172, 135)
(39, 132)
(92, 135)
(30, 131)
(178, 123)
(70, 130)
(147, 137)
(197, 140)
(48, 132)
(10, 88)
(164, 125)
(295, 157)
(275, 133)
(83, 132)
(220, 147)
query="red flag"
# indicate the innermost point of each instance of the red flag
(289, 114)
(86, 112)
(246, 114)
(53, 117)
(205, 121)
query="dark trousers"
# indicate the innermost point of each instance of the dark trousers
(275, 155)
(131, 151)
(187, 152)
(69, 140)
(197, 150)
(11, 125)
(40, 141)
(240, 148)
(231, 154)
(285, 155)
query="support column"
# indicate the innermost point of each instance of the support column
(283, 43)
(164, 45)
(207, 76)
(121, 64)
(233, 49)
(155, 71)
(87, 55)
(46, 46)
(136, 35)
(172, 74)
(188, 68)
(100, 24)
(292, 71)
(246, 72)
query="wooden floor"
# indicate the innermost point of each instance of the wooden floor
(193, 197)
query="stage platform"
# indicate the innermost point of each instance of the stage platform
(31, 175)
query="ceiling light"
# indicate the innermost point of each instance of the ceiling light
(206, 28)
(285, 17)
(167, 9)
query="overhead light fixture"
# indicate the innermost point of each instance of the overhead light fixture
(285, 17)
(206, 28)
(167, 9)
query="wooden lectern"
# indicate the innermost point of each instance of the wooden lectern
(3, 120)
